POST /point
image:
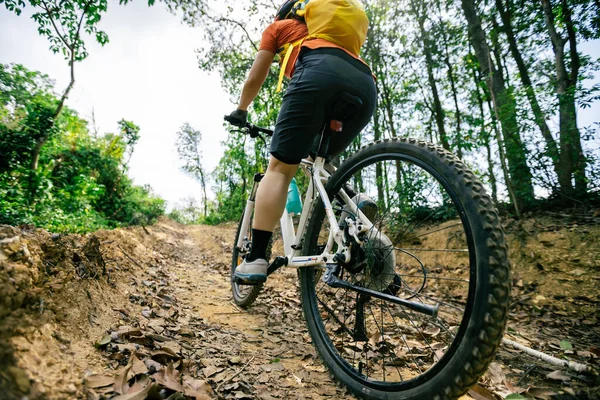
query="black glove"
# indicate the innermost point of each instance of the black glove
(237, 118)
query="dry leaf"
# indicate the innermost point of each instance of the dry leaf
(211, 370)
(153, 366)
(169, 378)
(98, 381)
(558, 376)
(433, 331)
(141, 394)
(496, 374)
(138, 366)
(141, 382)
(103, 341)
(197, 389)
(127, 331)
(542, 394)
(480, 393)
(121, 386)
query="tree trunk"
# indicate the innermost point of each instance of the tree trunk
(571, 158)
(387, 104)
(378, 170)
(504, 106)
(486, 140)
(452, 80)
(205, 197)
(564, 179)
(438, 111)
(35, 155)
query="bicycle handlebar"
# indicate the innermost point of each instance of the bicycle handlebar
(249, 128)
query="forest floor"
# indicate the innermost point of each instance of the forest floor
(147, 313)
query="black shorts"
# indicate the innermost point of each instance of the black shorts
(320, 75)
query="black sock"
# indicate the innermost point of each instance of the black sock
(260, 242)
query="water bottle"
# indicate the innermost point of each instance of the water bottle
(294, 203)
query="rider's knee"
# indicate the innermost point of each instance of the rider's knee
(280, 167)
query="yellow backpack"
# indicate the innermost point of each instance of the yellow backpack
(341, 22)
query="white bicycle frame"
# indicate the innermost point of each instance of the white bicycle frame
(292, 238)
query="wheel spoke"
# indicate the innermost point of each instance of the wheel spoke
(425, 247)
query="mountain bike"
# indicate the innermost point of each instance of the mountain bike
(409, 302)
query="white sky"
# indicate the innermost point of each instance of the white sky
(148, 73)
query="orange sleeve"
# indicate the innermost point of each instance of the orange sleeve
(269, 39)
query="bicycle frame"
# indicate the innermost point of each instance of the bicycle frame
(292, 239)
(352, 232)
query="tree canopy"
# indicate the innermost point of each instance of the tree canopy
(498, 83)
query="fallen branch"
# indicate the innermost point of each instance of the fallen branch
(129, 257)
(234, 375)
(549, 359)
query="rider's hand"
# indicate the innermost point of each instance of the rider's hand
(238, 118)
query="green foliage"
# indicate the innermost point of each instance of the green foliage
(501, 143)
(64, 21)
(231, 52)
(81, 184)
(189, 149)
(187, 212)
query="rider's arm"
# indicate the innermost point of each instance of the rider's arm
(256, 77)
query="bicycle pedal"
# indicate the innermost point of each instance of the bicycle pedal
(245, 283)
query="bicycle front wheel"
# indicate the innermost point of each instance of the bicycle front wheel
(437, 240)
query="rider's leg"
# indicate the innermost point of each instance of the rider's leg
(272, 194)
(270, 202)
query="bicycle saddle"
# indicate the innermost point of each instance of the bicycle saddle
(340, 108)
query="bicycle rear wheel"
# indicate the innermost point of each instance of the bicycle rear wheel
(244, 295)
(437, 240)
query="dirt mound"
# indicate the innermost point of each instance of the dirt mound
(60, 293)
(555, 301)
(146, 313)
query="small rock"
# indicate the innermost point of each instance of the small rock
(71, 388)
(186, 332)
(235, 360)
(11, 245)
(21, 379)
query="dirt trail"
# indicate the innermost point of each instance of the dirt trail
(160, 301)
(271, 336)
(147, 313)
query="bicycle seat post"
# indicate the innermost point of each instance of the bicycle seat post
(342, 107)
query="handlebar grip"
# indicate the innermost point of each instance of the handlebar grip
(252, 130)
(229, 119)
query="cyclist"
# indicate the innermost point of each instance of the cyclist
(319, 69)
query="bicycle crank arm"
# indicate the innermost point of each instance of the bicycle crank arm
(336, 282)
(276, 264)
